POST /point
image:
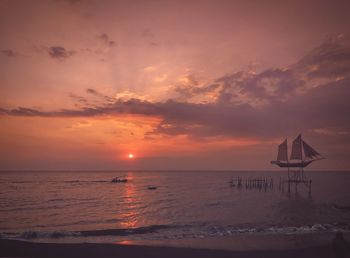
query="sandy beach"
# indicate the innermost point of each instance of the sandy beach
(14, 248)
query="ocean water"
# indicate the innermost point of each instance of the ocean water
(85, 206)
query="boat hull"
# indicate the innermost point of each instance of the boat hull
(302, 164)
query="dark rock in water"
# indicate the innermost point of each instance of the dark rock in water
(152, 188)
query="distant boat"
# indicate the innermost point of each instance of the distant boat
(152, 188)
(119, 179)
(302, 154)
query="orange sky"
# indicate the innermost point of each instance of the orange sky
(179, 84)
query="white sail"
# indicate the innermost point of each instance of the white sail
(296, 149)
(282, 151)
(309, 151)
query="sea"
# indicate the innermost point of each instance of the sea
(168, 206)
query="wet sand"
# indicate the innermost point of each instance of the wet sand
(15, 248)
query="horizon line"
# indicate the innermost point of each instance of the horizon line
(165, 170)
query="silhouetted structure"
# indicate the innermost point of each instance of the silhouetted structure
(261, 183)
(301, 156)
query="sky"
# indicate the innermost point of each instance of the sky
(179, 84)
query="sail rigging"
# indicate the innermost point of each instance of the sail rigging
(309, 151)
(302, 154)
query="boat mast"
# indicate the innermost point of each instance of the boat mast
(287, 155)
(302, 157)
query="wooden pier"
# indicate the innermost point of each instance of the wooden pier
(261, 183)
(297, 178)
(264, 183)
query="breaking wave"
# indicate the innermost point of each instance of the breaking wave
(179, 231)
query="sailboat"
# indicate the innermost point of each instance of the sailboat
(302, 154)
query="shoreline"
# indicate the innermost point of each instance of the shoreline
(17, 248)
(237, 242)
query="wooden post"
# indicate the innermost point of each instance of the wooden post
(279, 184)
(310, 188)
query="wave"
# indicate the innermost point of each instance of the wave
(125, 232)
(22, 182)
(58, 181)
(86, 181)
(225, 231)
(181, 231)
(86, 233)
(41, 234)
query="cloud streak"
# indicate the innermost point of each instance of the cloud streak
(8, 52)
(104, 37)
(303, 97)
(59, 52)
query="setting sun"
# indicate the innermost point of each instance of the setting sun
(131, 156)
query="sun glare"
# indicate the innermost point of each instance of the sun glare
(131, 156)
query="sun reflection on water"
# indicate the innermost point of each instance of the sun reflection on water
(130, 213)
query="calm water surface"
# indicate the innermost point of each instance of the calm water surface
(186, 204)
